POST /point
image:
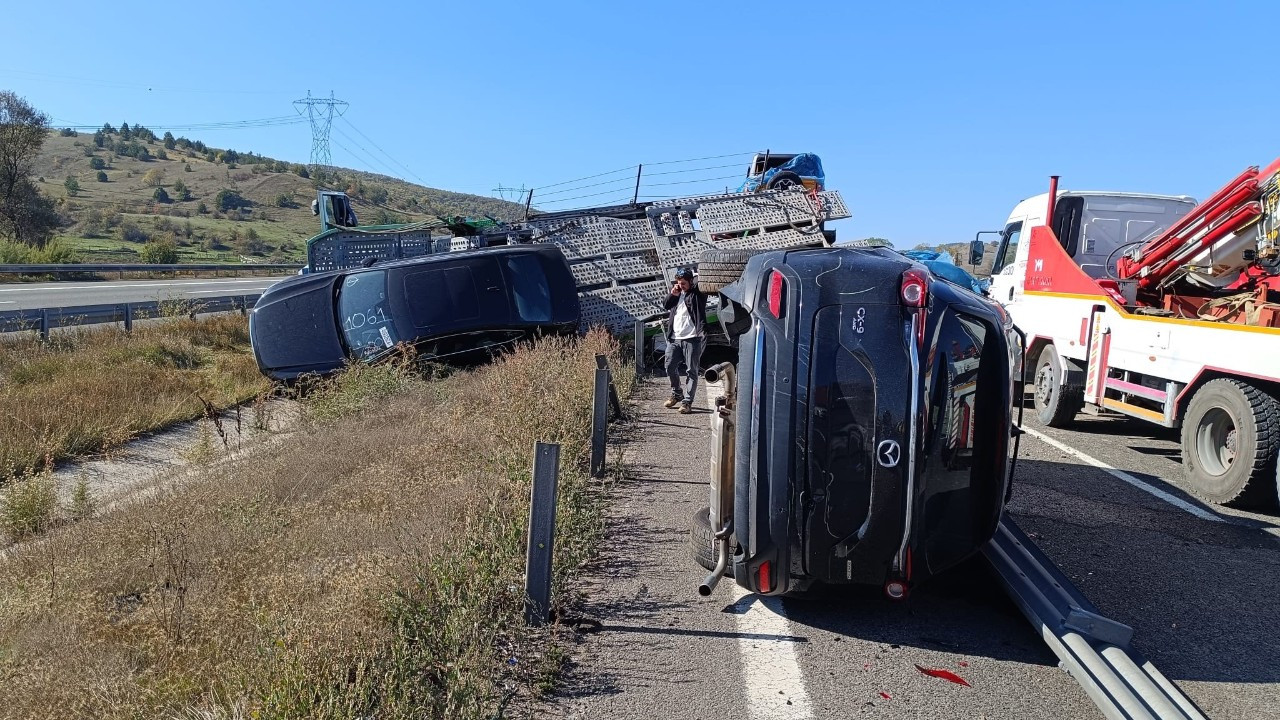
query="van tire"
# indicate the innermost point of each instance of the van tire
(718, 268)
(702, 542)
(785, 180)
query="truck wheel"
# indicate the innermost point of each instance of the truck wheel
(702, 541)
(1231, 443)
(1056, 404)
(785, 180)
(717, 268)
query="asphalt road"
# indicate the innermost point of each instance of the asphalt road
(1199, 590)
(27, 296)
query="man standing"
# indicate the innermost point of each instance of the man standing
(686, 316)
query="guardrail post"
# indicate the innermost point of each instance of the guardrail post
(599, 420)
(128, 317)
(602, 361)
(640, 358)
(44, 324)
(542, 531)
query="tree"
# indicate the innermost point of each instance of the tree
(169, 141)
(72, 185)
(125, 132)
(230, 200)
(202, 209)
(183, 192)
(26, 215)
(102, 176)
(159, 252)
(160, 195)
(97, 163)
(99, 138)
(153, 177)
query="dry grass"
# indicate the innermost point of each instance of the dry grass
(371, 567)
(89, 390)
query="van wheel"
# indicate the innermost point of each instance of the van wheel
(1231, 444)
(1056, 404)
(785, 181)
(702, 541)
(717, 268)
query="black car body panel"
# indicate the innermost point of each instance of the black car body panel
(449, 306)
(827, 391)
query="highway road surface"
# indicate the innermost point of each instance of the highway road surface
(1103, 500)
(26, 296)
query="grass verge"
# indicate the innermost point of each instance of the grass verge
(88, 390)
(369, 567)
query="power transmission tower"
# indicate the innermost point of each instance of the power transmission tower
(511, 194)
(320, 111)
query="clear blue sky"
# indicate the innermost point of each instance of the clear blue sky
(931, 118)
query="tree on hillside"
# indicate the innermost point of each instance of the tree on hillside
(153, 178)
(102, 176)
(125, 132)
(97, 163)
(72, 185)
(230, 200)
(25, 214)
(169, 141)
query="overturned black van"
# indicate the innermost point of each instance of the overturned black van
(866, 432)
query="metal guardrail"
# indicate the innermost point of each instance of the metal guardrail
(1094, 649)
(138, 267)
(46, 319)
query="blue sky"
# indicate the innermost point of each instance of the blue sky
(932, 119)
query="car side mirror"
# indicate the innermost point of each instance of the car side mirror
(976, 250)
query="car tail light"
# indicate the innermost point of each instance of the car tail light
(766, 582)
(777, 286)
(915, 288)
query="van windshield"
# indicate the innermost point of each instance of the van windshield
(364, 314)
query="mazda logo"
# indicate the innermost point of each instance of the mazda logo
(889, 453)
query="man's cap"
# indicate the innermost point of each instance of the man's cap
(684, 273)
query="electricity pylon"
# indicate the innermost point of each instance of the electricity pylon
(320, 111)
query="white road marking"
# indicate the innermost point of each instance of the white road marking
(138, 285)
(1173, 500)
(771, 676)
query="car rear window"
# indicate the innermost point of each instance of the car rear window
(442, 297)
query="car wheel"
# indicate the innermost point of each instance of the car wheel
(717, 268)
(1056, 404)
(785, 180)
(1231, 444)
(702, 541)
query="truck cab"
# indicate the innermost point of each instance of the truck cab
(1093, 227)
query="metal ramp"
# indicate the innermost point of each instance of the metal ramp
(1094, 649)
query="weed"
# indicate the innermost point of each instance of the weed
(82, 501)
(28, 505)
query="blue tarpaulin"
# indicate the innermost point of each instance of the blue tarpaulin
(941, 264)
(807, 165)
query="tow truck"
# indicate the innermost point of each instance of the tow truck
(1159, 308)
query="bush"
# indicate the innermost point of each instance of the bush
(53, 253)
(169, 141)
(187, 168)
(162, 155)
(102, 176)
(285, 201)
(153, 178)
(301, 171)
(230, 200)
(159, 252)
(97, 163)
(130, 232)
(161, 196)
(29, 505)
(202, 209)
(68, 132)
(72, 185)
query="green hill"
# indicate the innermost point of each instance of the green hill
(112, 221)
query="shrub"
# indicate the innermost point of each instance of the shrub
(153, 177)
(97, 163)
(130, 232)
(160, 196)
(28, 505)
(187, 168)
(68, 132)
(202, 209)
(230, 200)
(72, 185)
(169, 141)
(159, 252)
(162, 155)
(102, 176)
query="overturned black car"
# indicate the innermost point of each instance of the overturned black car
(449, 306)
(865, 434)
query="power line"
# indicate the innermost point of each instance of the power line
(384, 152)
(391, 172)
(320, 112)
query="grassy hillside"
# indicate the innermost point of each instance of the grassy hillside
(112, 221)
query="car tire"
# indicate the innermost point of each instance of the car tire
(1231, 444)
(702, 542)
(1056, 404)
(785, 180)
(718, 268)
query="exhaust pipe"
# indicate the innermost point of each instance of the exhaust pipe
(722, 562)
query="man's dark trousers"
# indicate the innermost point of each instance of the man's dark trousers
(689, 352)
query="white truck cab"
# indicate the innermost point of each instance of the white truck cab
(1094, 228)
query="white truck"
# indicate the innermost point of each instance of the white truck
(1158, 308)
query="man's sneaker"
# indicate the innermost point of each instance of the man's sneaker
(686, 408)
(672, 402)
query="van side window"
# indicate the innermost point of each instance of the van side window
(1008, 247)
